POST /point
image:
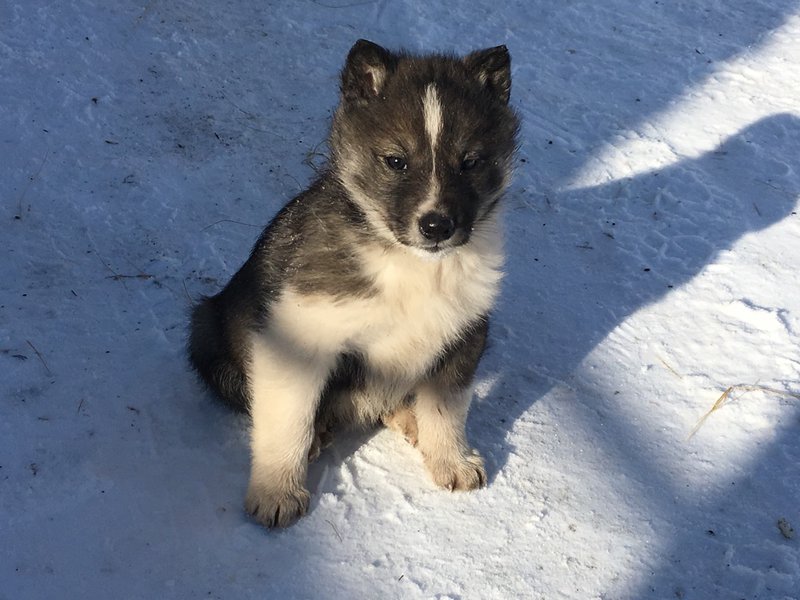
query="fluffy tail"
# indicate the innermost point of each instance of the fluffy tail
(218, 354)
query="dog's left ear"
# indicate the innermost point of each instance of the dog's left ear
(365, 71)
(492, 68)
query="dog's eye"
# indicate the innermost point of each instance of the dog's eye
(396, 163)
(470, 162)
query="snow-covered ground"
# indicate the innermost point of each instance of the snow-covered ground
(653, 238)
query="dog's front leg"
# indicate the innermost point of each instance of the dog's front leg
(441, 416)
(285, 387)
(440, 406)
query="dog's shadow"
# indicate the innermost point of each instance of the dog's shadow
(584, 260)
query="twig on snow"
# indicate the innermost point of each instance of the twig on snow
(745, 388)
(669, 368)
(38, 354)
(336, 531)
(31, 179)
(227, 221)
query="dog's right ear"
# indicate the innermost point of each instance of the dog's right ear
(365, 71)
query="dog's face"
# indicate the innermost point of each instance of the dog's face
(424, 145)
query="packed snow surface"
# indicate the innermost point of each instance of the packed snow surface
(653, 245)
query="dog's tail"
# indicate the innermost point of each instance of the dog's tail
(218, 354)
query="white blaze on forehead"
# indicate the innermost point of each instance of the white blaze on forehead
(432, 116)
(432, 113)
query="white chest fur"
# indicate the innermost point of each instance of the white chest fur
(420, 305)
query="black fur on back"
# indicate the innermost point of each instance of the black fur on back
(221, 325)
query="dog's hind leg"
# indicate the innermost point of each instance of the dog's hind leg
(285, 385)
(404, 422)
(323, 437)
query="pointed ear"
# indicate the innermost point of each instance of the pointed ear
(492, 68)
(365, 71)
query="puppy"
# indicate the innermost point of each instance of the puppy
(366, 299)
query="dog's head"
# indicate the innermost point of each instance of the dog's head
(424, 145)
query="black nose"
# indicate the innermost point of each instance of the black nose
(437, 227)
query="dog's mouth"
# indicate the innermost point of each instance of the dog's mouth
(440, 248)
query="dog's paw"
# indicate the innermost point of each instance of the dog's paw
(462, 473)
(276, 507)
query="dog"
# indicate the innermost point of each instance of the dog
(366, 300)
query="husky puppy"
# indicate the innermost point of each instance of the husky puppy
(366, 299)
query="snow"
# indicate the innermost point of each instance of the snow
(653, 239)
